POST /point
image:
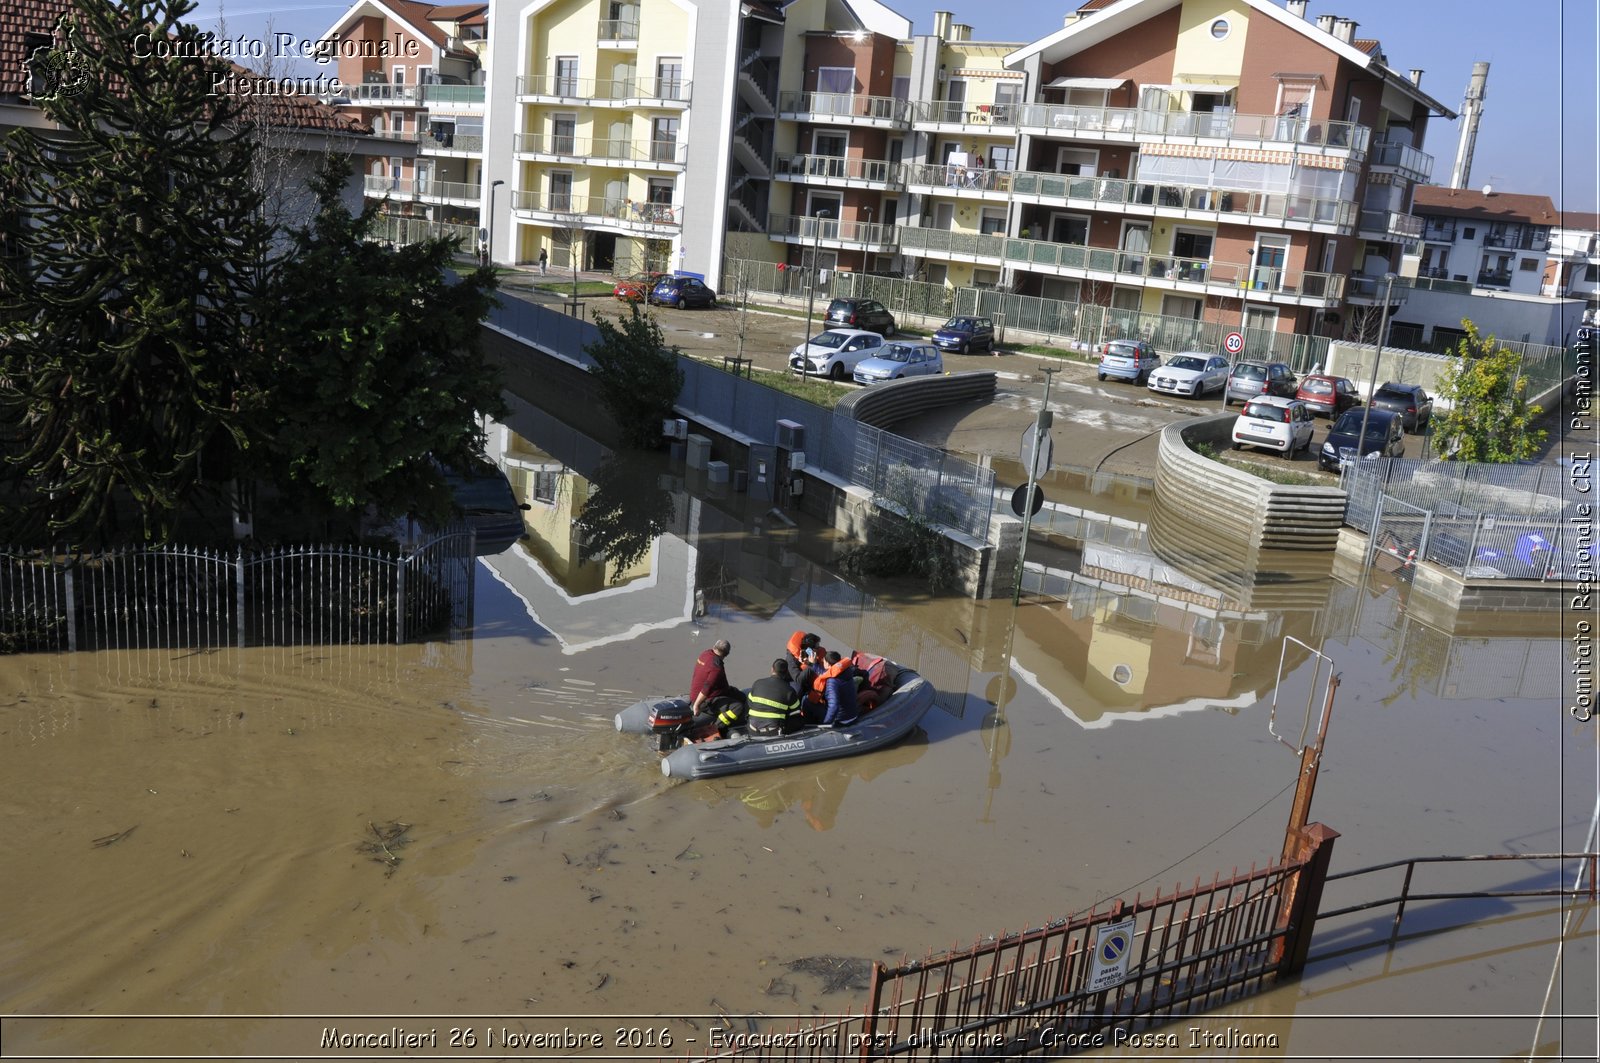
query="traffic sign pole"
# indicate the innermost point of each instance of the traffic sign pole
(1041, 433)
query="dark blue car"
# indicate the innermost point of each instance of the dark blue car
(964, 333)
(682, 292)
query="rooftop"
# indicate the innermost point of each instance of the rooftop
(1485, 206)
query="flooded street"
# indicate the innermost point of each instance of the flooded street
(452, 837)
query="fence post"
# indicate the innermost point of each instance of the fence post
(72, 609)
(1299, 918)
(1472, 546)
(1422, 542)
(400, 600)
(1377, 521)
(238, 592)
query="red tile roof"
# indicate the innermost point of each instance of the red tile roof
(456, 12)
(1498, 206)
(1587, 222)
(20, 19)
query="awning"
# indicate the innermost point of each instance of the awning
(1087, 83)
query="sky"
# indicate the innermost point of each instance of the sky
(1538, 133)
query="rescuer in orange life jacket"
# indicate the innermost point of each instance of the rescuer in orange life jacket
(833, 693)
(805, 650)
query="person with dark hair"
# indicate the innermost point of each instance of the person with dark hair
(771, 707)
(805, 650)
(710, 693)
(834, 693)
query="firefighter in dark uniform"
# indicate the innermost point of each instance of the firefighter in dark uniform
(770, 707)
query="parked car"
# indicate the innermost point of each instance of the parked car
(896, 360)
(682, 292)
(1250, 379)
(1385, 437)
(1411, 401)
(1276, 423)
(866, 314)
(1128, 360)
(836, 352)
(964, 333)
(634, 289)
(1328, 396)
(1192, 373)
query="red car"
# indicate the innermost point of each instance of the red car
(1328, 395)
(634, 289)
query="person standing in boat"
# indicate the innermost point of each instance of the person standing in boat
(710, 693)
(771, 706)
(834, 693)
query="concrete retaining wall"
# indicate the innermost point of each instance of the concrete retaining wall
(1236, 506)
(882, 405)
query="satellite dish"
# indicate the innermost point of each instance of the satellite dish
(1488, 190)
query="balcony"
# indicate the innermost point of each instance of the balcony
(1435, 231)
(454, 193)
(1198, 276)
(547, 147)
(619, 33)
(829, 232)
(1517, 239)
(1402, 160)
(595, 212)
(957, 116)
(449, 143)
(453, 97)
(1388, 226)
(837, 171)
(1494, 278)
(1218, 205)
(845, 108)
(1132, 124)
(383, 94)
(603, 92)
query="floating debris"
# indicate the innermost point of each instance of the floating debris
(112, 839)
(386, 839)
(837, 972)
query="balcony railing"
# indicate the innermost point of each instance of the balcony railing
(1494, 278)
(561, 146)
(643, 90)
(1518, 239)
(1439, 232)
(1217, 277)
(619, 29)
(1385, 224)
(409, 188)
(835, 167)
(383, 92)
(453, 95)
(1411, 163)
(826, 105)
(1135, 122)
(1104, 192)
(831, 229)
(596, 208)
(961, 112)
(428, 140)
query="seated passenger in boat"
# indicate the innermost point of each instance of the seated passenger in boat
(710, 693)
(806, 653)
(771, 706)
(833, 693)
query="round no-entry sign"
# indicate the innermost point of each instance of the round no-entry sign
(1233, 343)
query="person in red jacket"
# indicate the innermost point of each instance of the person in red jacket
(710, 693)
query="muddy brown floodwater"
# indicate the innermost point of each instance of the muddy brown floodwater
(451, 837)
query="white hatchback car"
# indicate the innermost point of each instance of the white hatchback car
(835, 353)
(1276, 423)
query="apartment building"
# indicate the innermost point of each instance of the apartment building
(1572, 270)
(415, 72)
(1492, 240)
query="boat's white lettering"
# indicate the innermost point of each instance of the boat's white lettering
(784, 747)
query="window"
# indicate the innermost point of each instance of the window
(397, 121)
(399, 75)
(901, 88)
(664, 139)
(1003, 157)
(1219, 29)
(1295, 98)
(1469, 233)
(955, 107)
(660, 191)
(993, 220)
(1528, 265)
(840, 80)
(1069, 229)
(1591, 273)
(566, 75)
(562, 130)
(669, 79)
(1077, 161)
(560, 191)
(985, 278)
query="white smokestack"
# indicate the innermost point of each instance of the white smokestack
(1471, 115)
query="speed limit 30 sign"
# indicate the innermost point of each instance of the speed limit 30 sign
(1233, 343)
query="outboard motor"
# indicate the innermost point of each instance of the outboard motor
(669, 722)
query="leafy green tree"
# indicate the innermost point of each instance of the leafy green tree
(375, 373)
(639, 379)
(133, 255)
(1490, 418)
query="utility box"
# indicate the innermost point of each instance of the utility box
(699, 451)
(716, 472)
(791, 435)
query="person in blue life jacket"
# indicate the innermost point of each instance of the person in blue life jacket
(770, 707)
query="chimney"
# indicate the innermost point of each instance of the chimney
(1297, 8)
(1416, 76)
(1325, 23)
(1471, 115)
(941, 24)
(961, 32)
(1345, 29)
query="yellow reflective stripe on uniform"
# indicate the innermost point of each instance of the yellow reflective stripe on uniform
(783, 710)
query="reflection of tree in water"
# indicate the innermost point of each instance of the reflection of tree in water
(626, 512)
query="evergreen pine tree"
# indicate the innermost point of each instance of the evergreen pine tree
(135, 246)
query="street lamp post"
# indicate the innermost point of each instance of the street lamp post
(811, 296)
(1372, 386)
(488, 252)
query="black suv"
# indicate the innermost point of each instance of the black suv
(1251, 379)
(1410, 401)
(866, 314)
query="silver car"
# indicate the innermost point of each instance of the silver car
(898, 360)
(1128, 360)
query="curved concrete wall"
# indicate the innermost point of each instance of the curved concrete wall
(881, 405)
(1235, 506)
